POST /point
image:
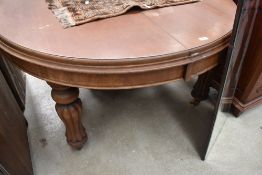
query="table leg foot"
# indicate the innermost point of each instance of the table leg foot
(201, 89)
(69, 108)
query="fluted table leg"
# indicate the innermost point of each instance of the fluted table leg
(201, 88)
(69, 107)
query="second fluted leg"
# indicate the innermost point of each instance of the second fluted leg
(201, 88)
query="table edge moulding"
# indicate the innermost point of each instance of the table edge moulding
(65, 74)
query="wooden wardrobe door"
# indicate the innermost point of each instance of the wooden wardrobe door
(15, 79)
(14, 147)
(249, 88)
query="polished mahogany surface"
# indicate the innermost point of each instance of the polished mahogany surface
(139, 49)
(138, 34)
(150, 47)
(248, 93)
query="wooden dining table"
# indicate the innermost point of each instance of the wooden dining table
(134, 50)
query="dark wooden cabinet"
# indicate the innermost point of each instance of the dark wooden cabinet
(244, 90)
(15, 79)
(14, 148)
(249, 89)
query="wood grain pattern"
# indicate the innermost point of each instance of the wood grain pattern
(69, 108)
(149, 34)
(15, 79)
(117, 74)
(249, 89)
(151, 44)
(244, 87)
(14, 148)
(135, 50)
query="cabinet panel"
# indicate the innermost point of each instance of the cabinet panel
(14, 147)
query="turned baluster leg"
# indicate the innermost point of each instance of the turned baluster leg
(69, 107)
(201, 88)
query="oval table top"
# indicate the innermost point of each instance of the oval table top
(31, 33)
(147, 33)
